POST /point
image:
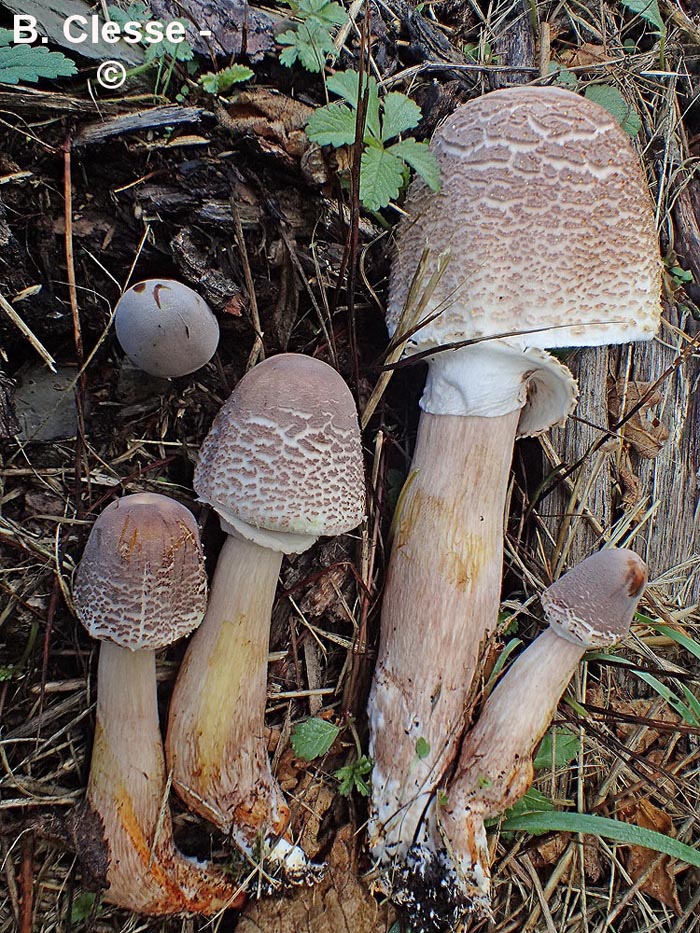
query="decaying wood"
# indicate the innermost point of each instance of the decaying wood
(617, 482)
(8, 420)
(51, 16)
(153, 118)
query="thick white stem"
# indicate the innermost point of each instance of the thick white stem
(127, 788)
(216, 743)
(440, 602)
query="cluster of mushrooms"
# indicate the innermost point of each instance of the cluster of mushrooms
(542, 236)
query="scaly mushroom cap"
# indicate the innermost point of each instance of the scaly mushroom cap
(284, 452)
(545, 212)
(141, 582)
(594, 603)
(165, 328)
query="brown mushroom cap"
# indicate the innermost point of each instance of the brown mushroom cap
(141, 582)
(594, 603)
(284, 452)
(165, 328)
(545, 212)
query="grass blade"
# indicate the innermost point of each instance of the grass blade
(626, 833)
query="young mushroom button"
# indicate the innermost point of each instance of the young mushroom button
(591, 606)
(546, 222)
(165, 328)
(282, 464)
(140, 586)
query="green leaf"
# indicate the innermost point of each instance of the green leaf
(26, 63)
(564, 77)
(609, 97)
(648, 10)
(323, 10)
(673, 700)
(220, 81)
(333, 125)
(352, 777)
(6, 673)
(557, 749)
(311, 43)
(6, 37)
(685, 641)
(381, 177)
(421, 159)
(399, 113)
(422, 748)
(625, 833)
(137, 11)
(346, 85)
(178, 51)
(313, 737)
(83, 907)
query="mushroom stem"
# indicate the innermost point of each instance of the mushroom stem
(216, 734)
(495, 763)
(128, 789)
(441, 600)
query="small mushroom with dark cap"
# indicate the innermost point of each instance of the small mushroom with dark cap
(282, 464)
(590, 607)
(165, 328)
(141, 585)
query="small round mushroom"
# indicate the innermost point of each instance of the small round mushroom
(546, 219)
(141, 585)
(591, 606)
(165, 328)
(281, 465)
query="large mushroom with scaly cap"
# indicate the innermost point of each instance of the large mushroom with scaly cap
(281, 465)
(141, 585)
(545, 222)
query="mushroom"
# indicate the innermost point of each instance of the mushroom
(141, 585)
(589, 607)
(281, 465)
(545, 217)
(165, 328)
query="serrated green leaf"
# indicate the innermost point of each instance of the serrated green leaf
(137, 11)
(346, 85)
(352, 777)
(557, 748)
(421, 159)
(312, 44)
(333, 125)
(313, 737)
(399, 113)
(381, 177)
(6, 36)
(648, 10)
(323, 10)
(626, 833)
(26, 63)
(220, 81)
(609, 97)
(178, 51)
